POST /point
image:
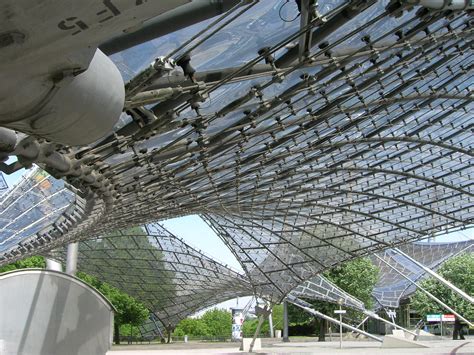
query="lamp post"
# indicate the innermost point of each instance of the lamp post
(340, 311)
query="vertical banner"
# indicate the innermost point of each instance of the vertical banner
(237, 323)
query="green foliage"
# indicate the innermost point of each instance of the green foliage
(192, 327)
(459, 271)
(277, 315)
(250, 325)
(218, 321)
(357, 277)
(139, 247)
(129, 310)
(31, 262)
(213, 323)
(128, 330)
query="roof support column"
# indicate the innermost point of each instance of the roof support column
(270, 325)
(285, 322)
(71, 261)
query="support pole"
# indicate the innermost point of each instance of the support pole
(173, 20)
(169, 330)
(285, 322)
(429, 294)
(71, 260)
(305, 38)
(53, 265)
(360, 324)
(157, 327)
(270, 325)
(340, 327)
(257, 331)
(437, 277)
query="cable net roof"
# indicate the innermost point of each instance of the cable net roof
(392, 287)
(363, 144)
(321, 289)
(172, 279)
(35, 202)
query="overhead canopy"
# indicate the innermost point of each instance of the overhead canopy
(392, 287)
(172, 279)
(360, 142)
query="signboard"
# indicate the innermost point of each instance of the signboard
(237, 322)
(448, 318)
(433, 317)
(340, 311)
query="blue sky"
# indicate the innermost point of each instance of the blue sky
(13, 178)
(199, 235)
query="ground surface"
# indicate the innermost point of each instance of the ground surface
(296, 347)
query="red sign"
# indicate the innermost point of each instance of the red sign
(448, 317)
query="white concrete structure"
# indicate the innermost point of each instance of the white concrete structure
(45, 312)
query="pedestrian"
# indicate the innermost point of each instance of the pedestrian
(458, 330)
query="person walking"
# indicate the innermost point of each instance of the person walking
(458, 330)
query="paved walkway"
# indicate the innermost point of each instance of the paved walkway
(272, 347)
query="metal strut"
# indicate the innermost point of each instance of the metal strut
(429, 294)
(305, 306)
(437, 277)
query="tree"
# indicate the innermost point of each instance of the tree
(218, 321)
(250, 325)
(192, 327)
(277, 316)
(128, 309)
(357, 277)
(214, 322)
(459, 271)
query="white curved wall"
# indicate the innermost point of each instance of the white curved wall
(45, 312)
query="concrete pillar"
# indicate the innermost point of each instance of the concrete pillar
(285, 322)
(71, 260)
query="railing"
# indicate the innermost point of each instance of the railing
(125, 339)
